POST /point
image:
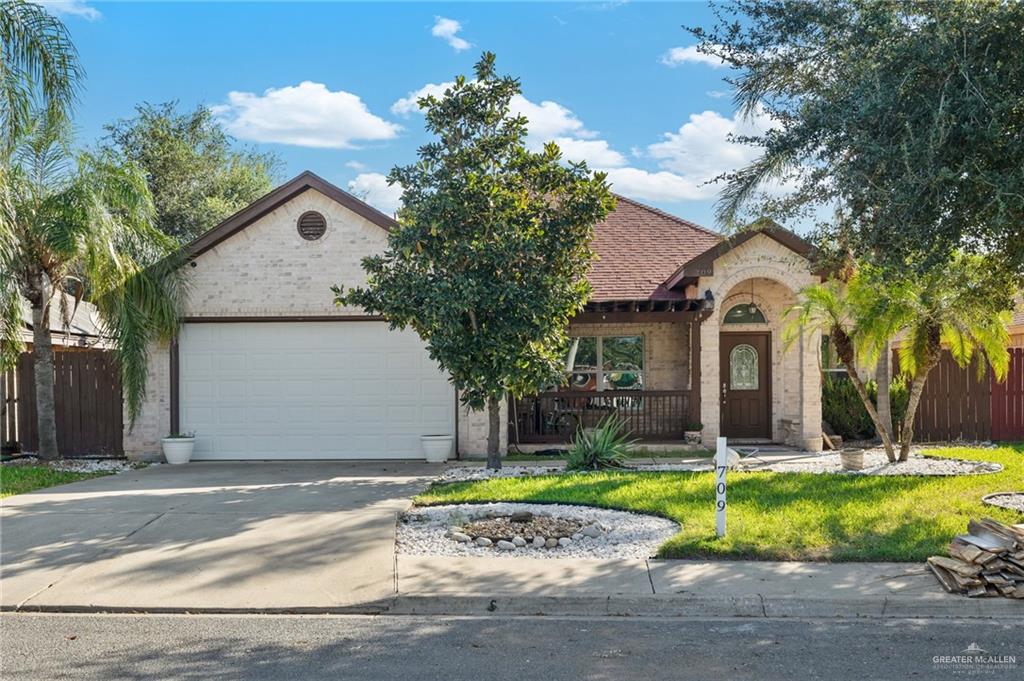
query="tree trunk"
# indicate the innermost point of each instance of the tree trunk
(42, 354)
(883, 375)
(493, 433)
(844, 348)
(916, 390)
(932, 355)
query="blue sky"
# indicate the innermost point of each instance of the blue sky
(327, 86)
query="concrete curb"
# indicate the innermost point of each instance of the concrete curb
(615, 605)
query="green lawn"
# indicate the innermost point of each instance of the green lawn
(21, 479)
(783, 516)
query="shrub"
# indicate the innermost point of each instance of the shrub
(842, 409)
(606, 446)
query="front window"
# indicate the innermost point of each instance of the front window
(606, 363)
(747, 313)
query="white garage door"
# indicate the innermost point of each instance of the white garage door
(309, 390)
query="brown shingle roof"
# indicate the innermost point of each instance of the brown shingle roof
(639, 247)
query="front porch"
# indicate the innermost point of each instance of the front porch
(712, 361)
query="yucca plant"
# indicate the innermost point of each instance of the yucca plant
(606, 446)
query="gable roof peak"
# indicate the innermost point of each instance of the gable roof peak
(279, 196)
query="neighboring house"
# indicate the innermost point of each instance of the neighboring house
(82, 331)
(683, 327)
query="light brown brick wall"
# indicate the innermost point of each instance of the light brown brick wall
(777, 274)
(265, 270)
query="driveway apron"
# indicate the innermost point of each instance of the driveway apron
(209, 536)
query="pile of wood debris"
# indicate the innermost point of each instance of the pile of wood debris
(987, 561)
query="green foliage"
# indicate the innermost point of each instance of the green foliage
(908, 116)
(22, 479)
(842, 408)
(83, 227)
(490, 259)
(39, 70)
(606, 446)
(196, 177)
(782, 516)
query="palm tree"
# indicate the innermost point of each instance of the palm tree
(831, 308)
(39, 69)
(82, 227)
(962, 306)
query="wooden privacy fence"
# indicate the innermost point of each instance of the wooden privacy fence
(1008, 401)
(957, 405)
(87, 397)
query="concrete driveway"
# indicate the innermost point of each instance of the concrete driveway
(235, 536)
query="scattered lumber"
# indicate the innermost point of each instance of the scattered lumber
(987, 561)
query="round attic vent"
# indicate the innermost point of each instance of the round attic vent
(312, 225)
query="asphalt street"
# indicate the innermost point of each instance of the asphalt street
(350, 648)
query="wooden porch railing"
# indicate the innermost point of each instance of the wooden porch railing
(554, 417)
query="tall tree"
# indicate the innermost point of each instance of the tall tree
(83, 226)
(908, 116)
(490, 259)
(39, 71)
(196, 176)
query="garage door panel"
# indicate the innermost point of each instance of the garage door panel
(309, 390)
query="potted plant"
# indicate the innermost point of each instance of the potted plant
(178, 447)
(691, 435)
(436, 448)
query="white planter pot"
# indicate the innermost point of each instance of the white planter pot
(178, 450)
(436, 448)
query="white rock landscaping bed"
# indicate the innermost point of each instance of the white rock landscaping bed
(81, 465)
(1011, 500)
(876, 463)
(438, 531)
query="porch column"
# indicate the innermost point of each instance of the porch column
(695, 372)
(710, 409)
(810, 391)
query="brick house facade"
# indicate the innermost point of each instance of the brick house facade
(255, 361)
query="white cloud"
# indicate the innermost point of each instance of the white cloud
(305, 115)
(702, 147)
(596, 153)
(375, 190)
(355, 165)
(699, 151)
(447, 30)
(717, 94)
(653, 186)
(76, 8)
(548, 120)
(408, 105)
(689, 55)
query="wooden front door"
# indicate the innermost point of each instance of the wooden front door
(745, 380)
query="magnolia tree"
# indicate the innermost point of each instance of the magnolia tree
(489, 261)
